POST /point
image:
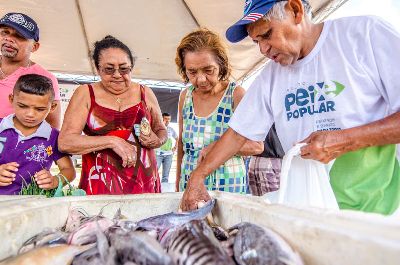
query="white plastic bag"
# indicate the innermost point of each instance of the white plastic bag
(304, 183)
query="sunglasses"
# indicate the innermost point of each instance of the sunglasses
(111, 70)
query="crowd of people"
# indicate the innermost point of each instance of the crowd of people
(331, 85)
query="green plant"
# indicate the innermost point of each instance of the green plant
(33, 189)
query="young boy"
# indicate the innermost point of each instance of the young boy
(28, 144)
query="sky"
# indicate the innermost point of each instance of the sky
(389, 10)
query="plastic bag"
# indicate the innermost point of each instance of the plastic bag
(303, 183)
(71, 191)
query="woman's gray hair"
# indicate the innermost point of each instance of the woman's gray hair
(278, 10)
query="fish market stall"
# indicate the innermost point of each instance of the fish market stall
(319, 236)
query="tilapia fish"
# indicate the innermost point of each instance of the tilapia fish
(255, 245)
(138, 247)
(195, 244)
(54, 255)
(165, 224)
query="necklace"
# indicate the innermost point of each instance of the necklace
(116, 98)
(4, 74)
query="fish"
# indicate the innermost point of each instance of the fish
(101, 254)
(165, 224)
(54, 255)
(47, 237)
(86, 233)
(138, 247)
(220, 233)
(76, 217)
(195, 244)
(255, 245)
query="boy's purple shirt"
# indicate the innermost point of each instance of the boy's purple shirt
(33, 153)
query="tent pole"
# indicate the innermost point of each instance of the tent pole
(190, 12)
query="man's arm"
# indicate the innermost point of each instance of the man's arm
(228, 145)
(54, 117)
(327, 145)
(251, 148)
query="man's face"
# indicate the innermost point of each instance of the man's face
(31, 110)
(14, 46)
(166, 120)
(278, 40)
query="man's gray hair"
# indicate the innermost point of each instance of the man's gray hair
(278, 10)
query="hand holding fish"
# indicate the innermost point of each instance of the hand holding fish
(7, 175)
(195, 192)
(325, 146)
(45, 180)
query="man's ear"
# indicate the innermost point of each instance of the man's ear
(35, 46)
(11, 98)
(296, 8)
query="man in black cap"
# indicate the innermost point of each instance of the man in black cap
(19, 37)
(332, 85)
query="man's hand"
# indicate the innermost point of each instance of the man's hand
(325, 146)
(204, 152)
(45, 180)
(7, 173)
(195, 192)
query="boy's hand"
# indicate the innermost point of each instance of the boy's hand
(45, 180)
(7, 175)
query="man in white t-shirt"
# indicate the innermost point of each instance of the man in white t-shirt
(334, 86)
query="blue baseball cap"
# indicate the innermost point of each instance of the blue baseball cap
(22, 23)
(253, 11)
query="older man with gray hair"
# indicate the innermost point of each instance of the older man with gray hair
(332, 85)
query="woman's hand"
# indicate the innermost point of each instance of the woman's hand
(45, 180)
(125, 150)
(150, 141)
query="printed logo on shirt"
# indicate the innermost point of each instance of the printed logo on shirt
(314, 99)
(38, 153)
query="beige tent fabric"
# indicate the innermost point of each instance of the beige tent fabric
(151, 28)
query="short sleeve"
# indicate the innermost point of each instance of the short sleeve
(54, 140)
(253, 117)
(385, 43)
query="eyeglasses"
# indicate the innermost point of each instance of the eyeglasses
(208, 71)
(111, 70)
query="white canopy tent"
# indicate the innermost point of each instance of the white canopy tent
(151, 28)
